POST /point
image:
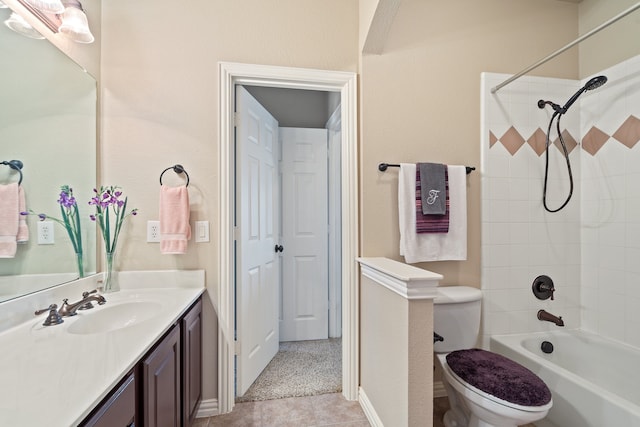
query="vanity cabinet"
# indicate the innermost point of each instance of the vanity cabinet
(165, 386)
(119, 409)
(191, 363)
(161, 378)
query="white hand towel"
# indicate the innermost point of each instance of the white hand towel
(175, 230)
(433, 246)
(9, 212)
(23, 230)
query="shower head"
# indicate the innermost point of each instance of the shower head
(594, 83)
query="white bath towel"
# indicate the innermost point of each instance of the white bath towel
(432, 246)
(175, 230)
(9, 212)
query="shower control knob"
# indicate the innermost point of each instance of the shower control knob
(279, 248)
(543, 288)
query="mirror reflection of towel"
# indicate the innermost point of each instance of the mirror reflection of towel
(23, 230)
(9, 213)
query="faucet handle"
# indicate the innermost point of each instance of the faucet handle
(88, 305)
(53, 318)
(87, 293)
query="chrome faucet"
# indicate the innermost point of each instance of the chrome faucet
(548, 317)
(70, 309)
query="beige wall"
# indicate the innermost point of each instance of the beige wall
(421, 100)
(160, 103)
(396, 355)
(611, 45)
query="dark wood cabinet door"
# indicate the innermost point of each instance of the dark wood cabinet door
(161, 372)
(119, 409)
(192, 363)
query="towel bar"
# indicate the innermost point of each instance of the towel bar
(383, 167)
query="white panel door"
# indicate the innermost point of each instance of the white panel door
(304, 303)
(257, 221)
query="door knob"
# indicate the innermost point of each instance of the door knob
(279, 248)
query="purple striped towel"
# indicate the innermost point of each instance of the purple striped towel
(431, 223)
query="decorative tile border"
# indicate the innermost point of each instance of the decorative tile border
(627, 134)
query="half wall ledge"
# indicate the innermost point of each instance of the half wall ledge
(405, 280)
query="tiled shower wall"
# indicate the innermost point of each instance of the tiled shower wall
(591, 248)
(521, 241)
(610, 283)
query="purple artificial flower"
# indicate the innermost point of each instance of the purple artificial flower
(66, 197)
(110, 214)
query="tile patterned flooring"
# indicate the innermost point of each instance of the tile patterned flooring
(311, 411)
(322, 410)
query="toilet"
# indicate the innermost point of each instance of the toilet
(485, 389)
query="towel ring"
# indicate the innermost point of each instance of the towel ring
(177, 169)
(15, 165)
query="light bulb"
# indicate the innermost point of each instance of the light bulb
(18, 24)
(74, 23)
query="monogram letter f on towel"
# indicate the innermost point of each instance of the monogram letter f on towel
(175, 230)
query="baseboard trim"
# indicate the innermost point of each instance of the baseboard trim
(208, 408)
(439, 390)
(369, 411)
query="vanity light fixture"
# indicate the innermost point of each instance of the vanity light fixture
(18, 24)
(74, 22)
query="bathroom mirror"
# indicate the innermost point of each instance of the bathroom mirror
(48, 122)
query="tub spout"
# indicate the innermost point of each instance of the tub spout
(548, 317)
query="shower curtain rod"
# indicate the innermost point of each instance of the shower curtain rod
(568, 46)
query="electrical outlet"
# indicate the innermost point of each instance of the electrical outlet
(153, 231)
(45, 233)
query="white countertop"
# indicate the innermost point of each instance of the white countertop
(49, 376)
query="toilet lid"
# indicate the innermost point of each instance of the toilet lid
(500, 377)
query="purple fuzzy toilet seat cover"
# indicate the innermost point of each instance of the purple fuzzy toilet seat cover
(500, 377)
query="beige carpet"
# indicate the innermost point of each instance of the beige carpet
(300, 368)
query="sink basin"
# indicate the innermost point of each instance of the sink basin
(113, 317)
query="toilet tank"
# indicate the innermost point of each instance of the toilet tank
(456, 317)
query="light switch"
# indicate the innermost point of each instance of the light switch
(202, 231)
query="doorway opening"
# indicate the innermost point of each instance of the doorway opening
(343, 83)
(288, 290)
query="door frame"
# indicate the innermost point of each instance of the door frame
(229, 75)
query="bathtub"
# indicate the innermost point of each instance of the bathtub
(595, 382)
